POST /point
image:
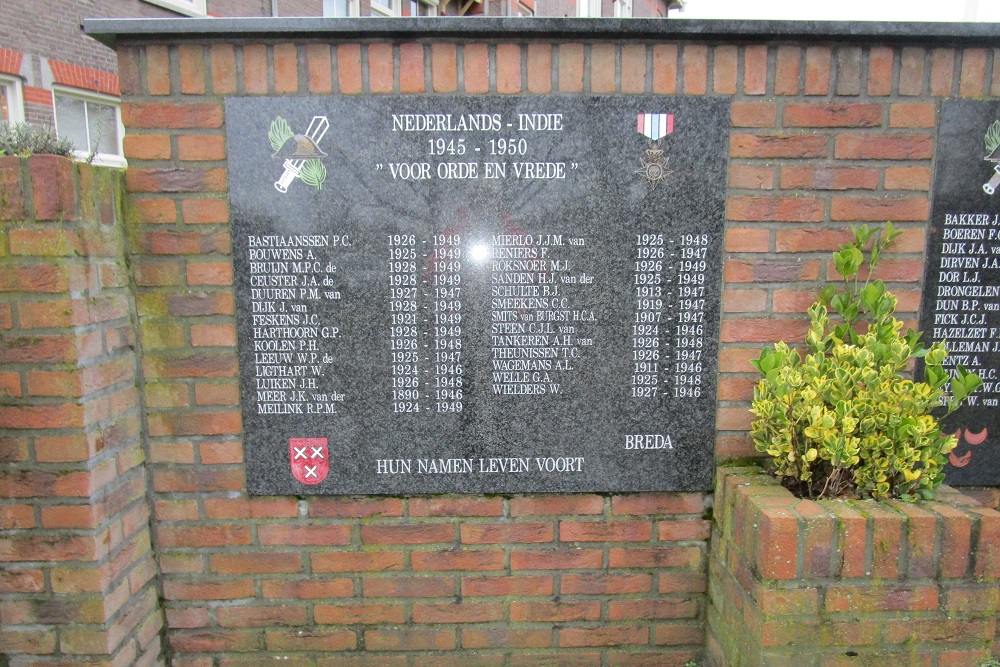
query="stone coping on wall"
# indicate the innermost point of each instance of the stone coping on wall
(113, 31)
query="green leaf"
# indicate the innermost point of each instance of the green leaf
(968, 380)
(848, 261)
(992, 137)
(871, 294)
(313, 173)
(279, 133)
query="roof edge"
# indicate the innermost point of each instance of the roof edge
(114, 31)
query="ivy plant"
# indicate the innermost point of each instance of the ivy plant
(843, 418)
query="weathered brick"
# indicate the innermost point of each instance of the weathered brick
(602, 68)
(746, 239)
(507, 533)
(832, 115)
(747, 177)
(942, 71)
(724, 69)
(411, 68)
(444, 68)
(168, 115)
(600, 531)
(503, 586)
(555, 505)
(192, 68)
(412, 534)
(476, 70)
(912, 115)
(605, 584)
(313, 639)
(787, 66)
(452, 612)
(633, 68)
(349, 68)
(753, 114)
(223, 66)
(456, 506)
(399, 586)
(818, 66)
(774, 146)
(879, 208)
(147, 146)
(256, 562)
(695, 65)
(298, 535)
(53, 192)
(355, 507)
(537, 611)
(307, 589)
(410, 639)
(355, 614)
(755, 69)
(286, 68)
(883, 147)
(792, 209)
(850, 60)
(230, 589)
(911, 71)
(468, 560)
(158, 69)
(777, 546)
(201, 147)
(476, 638)
(664, 68)
(603, 636)
(319, 67)
(350, 561)
(555, 559)
(249, 617)
(795, 177)
(880, 59)
(972, 79)
(255, 69)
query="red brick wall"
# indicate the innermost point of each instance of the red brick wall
(77, 572)
(821, 137)
(833, 583)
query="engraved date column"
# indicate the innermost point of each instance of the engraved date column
(689, 322)
(403, 328)
(445, 281)
(647, 286)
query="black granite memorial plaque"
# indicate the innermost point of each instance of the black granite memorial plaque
(477, 294)
(961, 297)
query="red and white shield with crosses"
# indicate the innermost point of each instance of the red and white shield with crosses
(309, 459)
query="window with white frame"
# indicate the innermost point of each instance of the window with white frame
(341, 8)
(186, 7)
(11, 100)
(386, 7)
(623, 9)
(588, 8)
(93, 124)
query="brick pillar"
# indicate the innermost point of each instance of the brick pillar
(77, 573)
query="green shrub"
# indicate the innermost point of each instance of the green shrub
(26, 139)
(843, 420)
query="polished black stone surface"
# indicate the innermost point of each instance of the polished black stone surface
(961, 298)
(112, 31)
(483, 295)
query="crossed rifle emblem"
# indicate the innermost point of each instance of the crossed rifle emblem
(300, 453)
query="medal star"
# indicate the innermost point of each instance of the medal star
(654, 168)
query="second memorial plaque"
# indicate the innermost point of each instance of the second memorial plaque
(477, 294)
